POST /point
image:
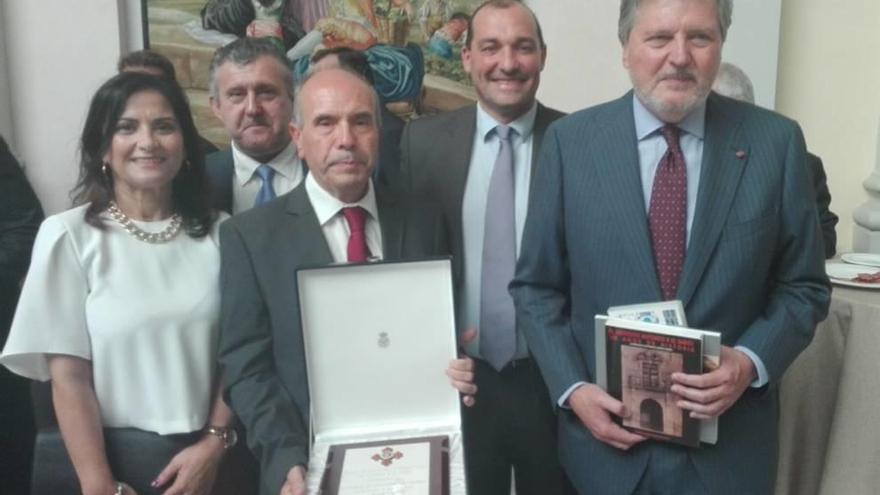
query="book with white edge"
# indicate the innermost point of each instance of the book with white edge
(664, 313)
(711, 347)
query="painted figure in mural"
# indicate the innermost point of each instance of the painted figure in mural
(394, 18)
(274, 19)
(398, 70)
(450, 37)
(360, 10)
(432, 15)
(308, 12)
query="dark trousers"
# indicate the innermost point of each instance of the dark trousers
(513, 425)
(16, 434)
(670, 470)
(136, 457)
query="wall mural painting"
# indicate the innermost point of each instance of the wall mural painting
(413, 46)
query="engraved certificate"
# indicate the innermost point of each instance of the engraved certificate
(399, 469)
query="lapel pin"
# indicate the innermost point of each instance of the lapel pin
(740, 154)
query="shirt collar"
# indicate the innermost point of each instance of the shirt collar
(326, 205)
(523, 125)
(285, 163)
(647, 123)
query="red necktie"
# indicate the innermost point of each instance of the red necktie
(356, 217)
(667, 214)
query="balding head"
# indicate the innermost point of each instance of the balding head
(336, 131)
(733, 82)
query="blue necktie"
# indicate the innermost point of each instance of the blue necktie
(497, 315)
(267, 192)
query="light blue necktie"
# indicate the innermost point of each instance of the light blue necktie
(267, 192)
(497, 315)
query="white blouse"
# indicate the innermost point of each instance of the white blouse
(145, 315)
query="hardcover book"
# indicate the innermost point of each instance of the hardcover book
(672, 313)
(635, 362)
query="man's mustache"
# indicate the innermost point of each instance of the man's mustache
(679, 75)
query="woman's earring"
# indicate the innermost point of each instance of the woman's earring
(104, 168)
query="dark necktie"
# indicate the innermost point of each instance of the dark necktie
(356, 217)
(667, 214)
(497, 315)
(267, 192)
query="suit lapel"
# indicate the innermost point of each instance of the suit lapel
(391, 224)
(720, 175)
(617, 165)
(542, 121)
(309, 236)
(220, 168)
(461, 137)
(454, 159)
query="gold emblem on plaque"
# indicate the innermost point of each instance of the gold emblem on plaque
(387, 456)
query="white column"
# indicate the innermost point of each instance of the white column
(866, 232)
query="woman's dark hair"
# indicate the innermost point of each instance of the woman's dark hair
(190, 189)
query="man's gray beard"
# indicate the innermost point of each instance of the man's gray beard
(669, 112)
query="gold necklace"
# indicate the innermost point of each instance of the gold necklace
(138, 233)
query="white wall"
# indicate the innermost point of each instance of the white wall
(830, 83)
(6, 129)
(584, 56)
(57, 56)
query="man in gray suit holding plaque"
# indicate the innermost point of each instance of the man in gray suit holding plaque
(335, 216)
(672, 192)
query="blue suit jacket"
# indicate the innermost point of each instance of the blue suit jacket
(753, 271)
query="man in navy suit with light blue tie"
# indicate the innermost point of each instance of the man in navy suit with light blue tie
(672, 192)
(252, 94)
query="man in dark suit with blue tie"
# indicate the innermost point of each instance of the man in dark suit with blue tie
(672, 192)
(252, 94)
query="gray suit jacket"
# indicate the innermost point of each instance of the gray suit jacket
(261, 348)
(754, 271)
(435, 158)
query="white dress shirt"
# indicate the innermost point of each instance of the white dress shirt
(473, 208)
(246, 183)
(328, 209)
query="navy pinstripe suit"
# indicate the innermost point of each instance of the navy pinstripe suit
(753, 271)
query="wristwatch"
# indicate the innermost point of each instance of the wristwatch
(225, 433)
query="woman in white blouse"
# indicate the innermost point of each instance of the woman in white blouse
(120, 306)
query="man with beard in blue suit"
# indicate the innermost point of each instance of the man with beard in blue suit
(672, 192)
